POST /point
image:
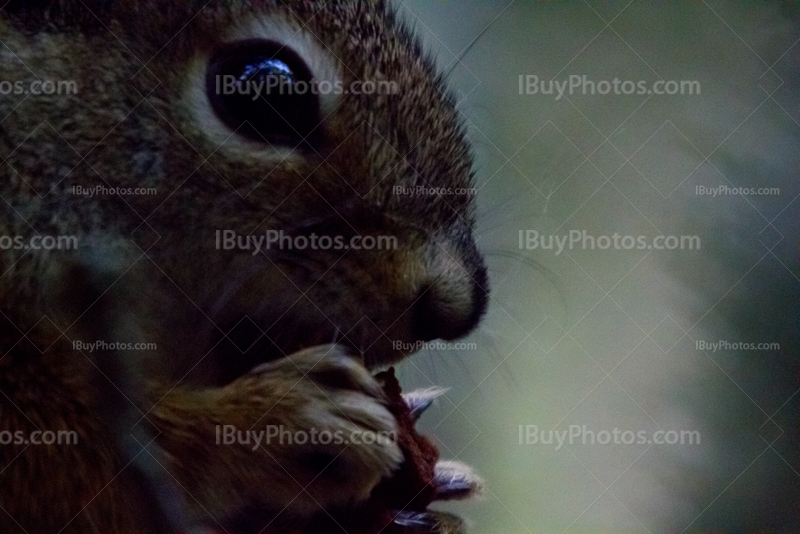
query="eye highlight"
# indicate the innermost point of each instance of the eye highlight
(263, 91)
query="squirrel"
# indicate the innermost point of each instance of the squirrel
(179, 255)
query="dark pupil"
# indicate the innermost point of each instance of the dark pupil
(273, 100)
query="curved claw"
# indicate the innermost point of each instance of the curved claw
(455, 481)
(429, 523)
(422, 399)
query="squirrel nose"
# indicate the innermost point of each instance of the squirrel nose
(449, 307)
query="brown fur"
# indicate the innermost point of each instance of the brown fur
(146, 269)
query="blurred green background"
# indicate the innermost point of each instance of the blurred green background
(614, 338)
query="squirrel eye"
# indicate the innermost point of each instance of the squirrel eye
(264, 91)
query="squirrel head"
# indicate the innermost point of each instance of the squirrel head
(335, 205)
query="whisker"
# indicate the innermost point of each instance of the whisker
(548, 274)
